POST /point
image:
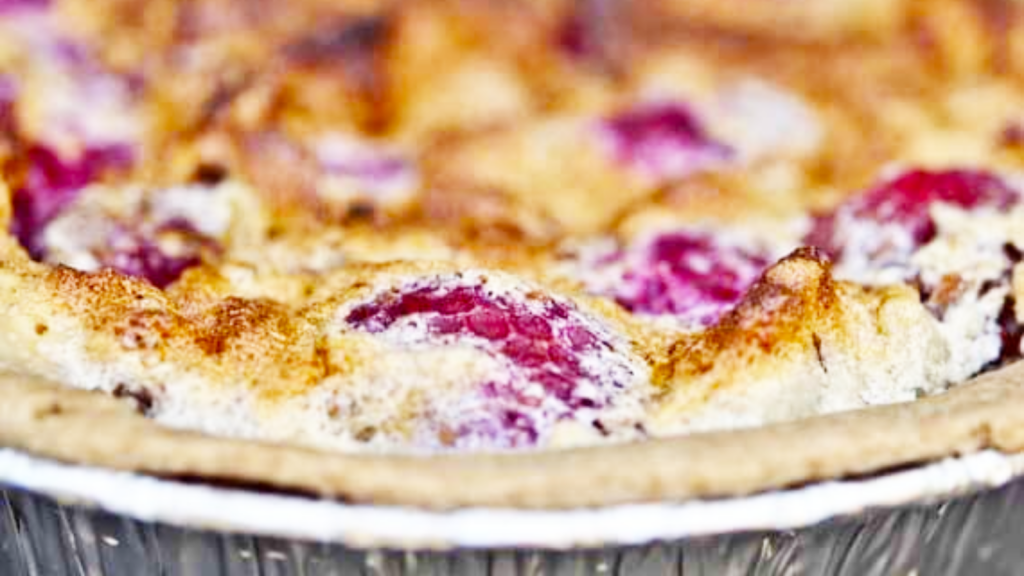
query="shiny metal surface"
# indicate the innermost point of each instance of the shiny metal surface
(977, 534)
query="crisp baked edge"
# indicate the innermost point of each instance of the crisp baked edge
(88, 428)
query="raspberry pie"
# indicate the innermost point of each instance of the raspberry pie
(569, 252)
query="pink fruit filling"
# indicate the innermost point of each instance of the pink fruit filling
(691, 275)
(138, 252)
(560, 366)
(12, 6)
(663, 140)
(51, 183)
(898, 211)
(95, 135)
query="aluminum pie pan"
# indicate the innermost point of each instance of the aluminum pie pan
(234, 510)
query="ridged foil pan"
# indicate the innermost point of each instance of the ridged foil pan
(959, 516)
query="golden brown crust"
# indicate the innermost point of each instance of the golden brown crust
(94, 429)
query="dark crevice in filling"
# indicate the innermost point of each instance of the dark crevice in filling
(1014, 254)
(209, 174)
(816, 340)
(141, 398)
(1010, 329)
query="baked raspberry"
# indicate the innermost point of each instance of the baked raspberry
(560, 364)
(154, 234)
(85, 127)
(140, 253)
(663, 140)
(892, 219)
(51, 183)
(689, 274)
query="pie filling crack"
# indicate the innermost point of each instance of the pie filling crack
(472, 232)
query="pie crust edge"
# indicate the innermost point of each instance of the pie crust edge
(90, 428)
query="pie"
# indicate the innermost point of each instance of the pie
(576, 252)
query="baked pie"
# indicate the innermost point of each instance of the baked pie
(577, 252)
